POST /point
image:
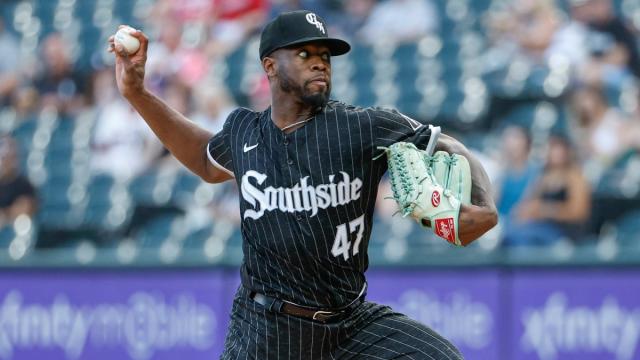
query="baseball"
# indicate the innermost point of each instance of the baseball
(124, 38)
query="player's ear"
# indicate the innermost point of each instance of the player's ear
(269, 66)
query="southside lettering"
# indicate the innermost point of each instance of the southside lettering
(301, 197)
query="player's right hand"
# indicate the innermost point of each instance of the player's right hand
(130, 68)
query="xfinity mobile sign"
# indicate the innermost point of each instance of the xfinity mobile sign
(489, 314)
(586, 314)
(466, 311)
(143, 325)
(116, 315)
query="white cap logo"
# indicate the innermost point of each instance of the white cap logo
(313, 20)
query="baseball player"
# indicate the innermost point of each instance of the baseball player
(308, 181)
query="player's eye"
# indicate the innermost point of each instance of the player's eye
(303, 54)
(326, 57)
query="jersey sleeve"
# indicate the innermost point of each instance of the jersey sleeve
(391, 126)
(219, 147)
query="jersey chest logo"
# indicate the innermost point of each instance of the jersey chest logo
(300, 197)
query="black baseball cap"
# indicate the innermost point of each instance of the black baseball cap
(298, 27)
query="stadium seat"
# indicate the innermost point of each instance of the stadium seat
(155, 231)
(196, 239)
(6, 236)
(99, 202)
(184, 187)
(424, 80)
(628, 228)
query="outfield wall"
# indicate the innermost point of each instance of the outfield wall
(490, 313)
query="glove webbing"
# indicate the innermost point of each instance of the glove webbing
(405, 182)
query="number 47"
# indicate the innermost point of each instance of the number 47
(341, 244)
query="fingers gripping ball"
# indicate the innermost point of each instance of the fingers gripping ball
(123, 37)
(423, 194)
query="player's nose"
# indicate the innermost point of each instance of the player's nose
(318, 65)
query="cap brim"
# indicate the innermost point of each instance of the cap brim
(337, 47)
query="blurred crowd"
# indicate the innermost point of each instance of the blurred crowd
(546, 181)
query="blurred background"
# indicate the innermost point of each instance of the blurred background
(110, 249)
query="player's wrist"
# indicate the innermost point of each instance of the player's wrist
(474, 221)
(135, 93)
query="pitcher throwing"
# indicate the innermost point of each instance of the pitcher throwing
(308, 181)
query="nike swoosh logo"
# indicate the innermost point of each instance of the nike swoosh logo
(249, 148)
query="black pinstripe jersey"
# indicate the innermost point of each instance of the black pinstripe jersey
(307, 198)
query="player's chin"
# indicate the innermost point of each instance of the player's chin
(318, 99)
(320, 91)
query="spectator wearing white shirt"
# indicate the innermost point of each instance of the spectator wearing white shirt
(399, 21)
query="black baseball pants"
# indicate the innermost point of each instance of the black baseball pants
(371, 331)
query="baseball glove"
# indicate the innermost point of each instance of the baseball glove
(430, 187)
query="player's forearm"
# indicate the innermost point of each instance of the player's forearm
(474, 221)
(480, 184)
(183, 138)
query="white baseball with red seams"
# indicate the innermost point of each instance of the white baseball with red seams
(124, 38)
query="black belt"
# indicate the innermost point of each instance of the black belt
(286, 307)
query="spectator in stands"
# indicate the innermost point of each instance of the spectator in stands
(355, 15)
(524, 29)
(178, 95)
(334, 11)
(559, 203)
(122, 146)
(170, 59)
(17, 195)
(604, 133)
(225, 204)
(325, 8)
(278, 6)
(213, 104)
(25, 103)
(9, 64)
(602, 46)
(234, 22)
(259, 93)
(182, 11)
(517, 174)
(399, 21)
(58, 82)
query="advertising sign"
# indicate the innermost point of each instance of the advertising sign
(575, 314)
(464, 308)
(113, 315)
(183, 314)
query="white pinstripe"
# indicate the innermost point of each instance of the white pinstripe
(390, 350)
(359, 356)
(313, 327)
(340, 219)
(315, 241)
(417, 338)
(275, 171)
(291, 225)
(277, 334)
(289, 335)
(399, 342)
(257, 267)
(273, 237)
